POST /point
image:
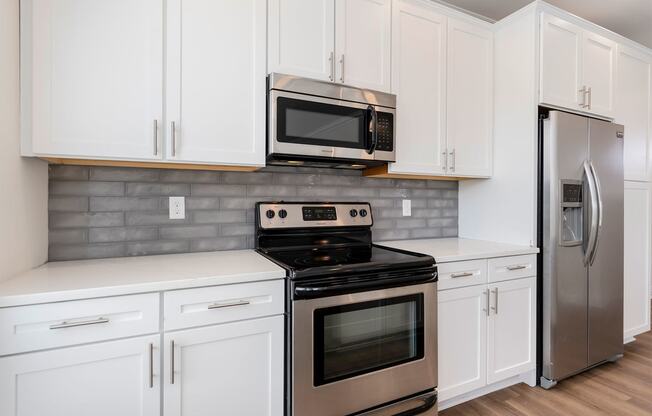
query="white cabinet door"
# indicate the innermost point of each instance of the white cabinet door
(106, 379)
(560, 63)
(598, 73)
(470, 99)
(638, 245)
(462, 340)
(511, 329)
(228, 369)
(216, 53)
(92, 77)
(634, 111)
(419, 82)
(362, 43)
(302, 38)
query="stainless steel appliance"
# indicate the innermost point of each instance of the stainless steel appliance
(581, 240)
(318, 123)
(362, 318)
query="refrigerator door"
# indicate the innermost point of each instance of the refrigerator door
(565, 284)
(606, 268)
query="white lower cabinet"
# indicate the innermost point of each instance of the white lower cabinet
(486, 334)
(462, 328)
(511, 329)
(228, 369)
(105, 379)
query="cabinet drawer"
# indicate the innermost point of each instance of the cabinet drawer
(462, 273)
(29, 328)
(219, 304)
(514, 267)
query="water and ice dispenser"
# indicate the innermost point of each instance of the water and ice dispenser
(571, 212)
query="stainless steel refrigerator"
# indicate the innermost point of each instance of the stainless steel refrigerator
(581, 241)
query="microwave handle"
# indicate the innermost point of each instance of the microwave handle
(374, 132)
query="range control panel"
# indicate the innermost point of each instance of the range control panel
(312, 215)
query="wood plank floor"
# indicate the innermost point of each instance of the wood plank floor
(621, 388)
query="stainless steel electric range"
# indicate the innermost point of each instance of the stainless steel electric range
(361, 318)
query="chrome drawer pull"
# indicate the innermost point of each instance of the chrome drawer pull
(151, 365)
(65, 324)
(228, 305)
(519, 267)
(465, 274)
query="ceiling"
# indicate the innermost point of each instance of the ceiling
(630, 18)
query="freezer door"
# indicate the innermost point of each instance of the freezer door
(565, 289)
(606, 269)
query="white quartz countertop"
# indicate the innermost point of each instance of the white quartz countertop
(69, 280)
(446, 250)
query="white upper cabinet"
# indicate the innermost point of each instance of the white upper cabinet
(419, 82)
(216, 81)
(105, 379)
(578, 68)
(560, 63)
(470, 99)
(634, 111)
(362, 43)
(91, 74)
(301, 36)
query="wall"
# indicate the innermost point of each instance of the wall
(111, 212)
(23, 182)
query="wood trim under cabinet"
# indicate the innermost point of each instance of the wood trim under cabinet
(382, 172)
(149, 165)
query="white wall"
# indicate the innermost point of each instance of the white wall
(23, 182)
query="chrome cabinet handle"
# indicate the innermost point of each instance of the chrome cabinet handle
(342, 68)
(331, 63)
(495, 307)
(465, 274)
(151, 365)
(519, 267)
(228, 305)
(155, 137)
(173, 134)
(486, 292)
(445, 155)
(66, 324)
(453, 161)
(590, 96)
(171, 361)
(583, 92)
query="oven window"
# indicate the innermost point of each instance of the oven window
(308, 122)
(359, 338)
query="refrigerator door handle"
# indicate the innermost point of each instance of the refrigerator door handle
(596, 181)
(593, 230)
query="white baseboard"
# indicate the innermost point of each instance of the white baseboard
(529, 378)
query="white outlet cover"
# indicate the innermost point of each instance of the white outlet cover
(177, 207)
(407, 208)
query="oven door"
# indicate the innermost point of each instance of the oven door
(305, 125)
(356, 351)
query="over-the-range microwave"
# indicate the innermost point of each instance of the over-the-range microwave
(324, 124)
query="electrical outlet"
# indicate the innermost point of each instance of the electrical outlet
(407, 208)
(177, 207)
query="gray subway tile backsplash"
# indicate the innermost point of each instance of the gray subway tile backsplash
(98, 212)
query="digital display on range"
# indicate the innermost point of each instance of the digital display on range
(319, 214)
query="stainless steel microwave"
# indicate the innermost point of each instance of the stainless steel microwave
(318, 123)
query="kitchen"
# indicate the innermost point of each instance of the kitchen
(323, 207)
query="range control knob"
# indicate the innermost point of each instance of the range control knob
(270, 214)
(282, 213)
(354, 213)
(363, 212)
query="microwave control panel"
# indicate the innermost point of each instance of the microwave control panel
(385, 132)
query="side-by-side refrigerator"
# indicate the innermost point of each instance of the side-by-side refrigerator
(581, 241)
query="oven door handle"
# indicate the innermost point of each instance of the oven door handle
(373, 115)
(307, 291)
(426, 402)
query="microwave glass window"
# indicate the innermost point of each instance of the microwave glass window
(321, 124)
(355, 339)
(324, 126)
